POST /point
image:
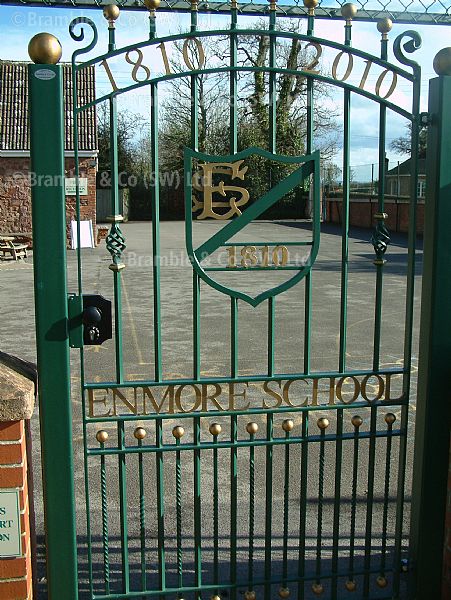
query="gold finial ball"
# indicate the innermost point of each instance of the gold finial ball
(323, 423)
(351, 586)
(140, 433)
(442, 62)
(357, 420)
(102, 436)
(252, 428)
(384, 25)
(349, 10)
(284, 592)
(215, 597)
(178, 432)
(152, 4)
(317, 588)
(111, 12)
(215, 429)
(287, 425)
(45, 49)
(311, 3)
(382, 581)
(250, 595)
(390, 418)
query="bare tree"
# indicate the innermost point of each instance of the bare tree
(403, 144)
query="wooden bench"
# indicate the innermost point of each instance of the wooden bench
(16, 251)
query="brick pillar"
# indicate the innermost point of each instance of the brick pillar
(446, 590)
(17, 395)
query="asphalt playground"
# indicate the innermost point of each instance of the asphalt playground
(17, 337)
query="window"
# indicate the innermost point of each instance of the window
(421, 188)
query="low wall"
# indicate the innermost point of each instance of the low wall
(362, 210)
(17, 396)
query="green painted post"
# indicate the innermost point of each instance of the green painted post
(433, 404)
(51, 306)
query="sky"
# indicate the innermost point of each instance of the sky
(19, 24)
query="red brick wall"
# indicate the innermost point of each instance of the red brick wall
(361, 213)
(16, 573)
(446, 590)
(15, 199)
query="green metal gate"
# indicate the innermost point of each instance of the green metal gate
(255, 481)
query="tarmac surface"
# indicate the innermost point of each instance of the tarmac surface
(17, 337)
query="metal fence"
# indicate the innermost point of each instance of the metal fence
(401, 11)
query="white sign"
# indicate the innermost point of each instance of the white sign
(10, 534)
(86, 234)
(71, 186)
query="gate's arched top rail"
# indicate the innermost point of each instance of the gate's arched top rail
(400, 45)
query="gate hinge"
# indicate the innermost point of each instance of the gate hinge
(90, 320)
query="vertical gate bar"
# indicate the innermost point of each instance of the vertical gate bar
(380, 217)
(272, 79)
(268, 503)
(430, 469)
(307, 321)
(105, 534)
(142, 509)
(196, 325)
(252, 429)
(178, 503)
(160, 506)
(116, 218)
(307, 279)
(286, 502)
(233, 501)
(155, 205)
(369, 502)
(389, 419)
(233, 78)
(123, 508)
(303, 505)
(271, 315)
(195, 146)
(82, 353)
(322, 423)
(357, 422)
(337, 502)
(345, 231)
(215, 512)
(116, 268)
(50, 288)
(345, 214)
(412, 234)
(234, 336)
(197, 508)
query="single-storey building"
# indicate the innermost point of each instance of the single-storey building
(15, 176)
(398, 179)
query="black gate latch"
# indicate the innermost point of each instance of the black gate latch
(90, 320)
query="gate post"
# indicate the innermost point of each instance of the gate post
(49, 262)
(433, 405)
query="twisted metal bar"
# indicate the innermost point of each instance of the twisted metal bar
(178, 502)
(322, 462)
(286, 491)
(115, 243)
(215, 515)
(389, 419)
(105, 534)
(251, 512)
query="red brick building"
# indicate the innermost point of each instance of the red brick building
(15, 176)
